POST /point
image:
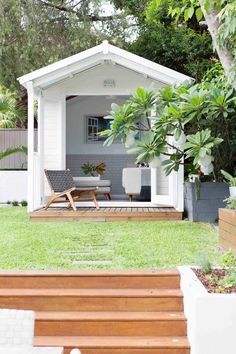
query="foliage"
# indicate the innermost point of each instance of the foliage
(195, 113)
(179, 48)
(224, 278)
(229, 178)
(90, 168)
(220, 16)
(24, 203)
(227, 29)
(200, 145)
(231, 203)
(228, 261)
(59, 28)
(229, 279)
(186, 48)
(10, 111)
(15, 203)
(10, 151)
(150, 245)
(205, 264)
(35, 33)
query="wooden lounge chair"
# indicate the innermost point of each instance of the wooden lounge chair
(62, 186)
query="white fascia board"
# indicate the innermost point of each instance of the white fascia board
(64, 68)
(147, 72)
(67, 72)
(67, 62)
(157, 69)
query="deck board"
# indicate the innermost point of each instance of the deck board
(106, 214)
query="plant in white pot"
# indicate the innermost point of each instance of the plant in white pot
(232, 182)
(95, 171)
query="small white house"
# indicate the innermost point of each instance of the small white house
(73, 94)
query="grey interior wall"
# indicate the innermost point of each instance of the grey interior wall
(79, 151)
(76, 111)
(114, 167)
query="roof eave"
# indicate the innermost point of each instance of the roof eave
(153, 70)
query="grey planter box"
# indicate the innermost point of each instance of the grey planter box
(211, 197)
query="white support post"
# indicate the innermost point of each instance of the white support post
(180, 188)
(30, 91)
(41, 146)
(63, 133)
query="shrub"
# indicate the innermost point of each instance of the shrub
(24, 203)
(205, 264)
(231, 203)
(15, 203)
(228, 260)
(229, 280)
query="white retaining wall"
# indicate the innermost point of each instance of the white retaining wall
(211, 317)
(13, 186)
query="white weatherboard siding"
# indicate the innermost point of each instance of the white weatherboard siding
(162, 187)
(54, 134)
(54, 137)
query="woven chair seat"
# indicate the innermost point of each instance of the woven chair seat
(60, 180)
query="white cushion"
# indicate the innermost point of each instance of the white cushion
(131, 180)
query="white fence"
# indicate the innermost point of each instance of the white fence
(14, 138)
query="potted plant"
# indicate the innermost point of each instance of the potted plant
(232, 183)
(93, 171)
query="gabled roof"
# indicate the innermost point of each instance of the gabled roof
(105, 52)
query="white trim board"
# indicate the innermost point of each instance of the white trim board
(94, 56)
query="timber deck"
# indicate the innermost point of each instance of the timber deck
(90, 214)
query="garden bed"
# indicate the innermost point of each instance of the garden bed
(211, 281)
(211, 316)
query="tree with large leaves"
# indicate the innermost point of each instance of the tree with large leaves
(220, 18)
(186, 48)
(193, 115)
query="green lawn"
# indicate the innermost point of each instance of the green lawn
(28, 245)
